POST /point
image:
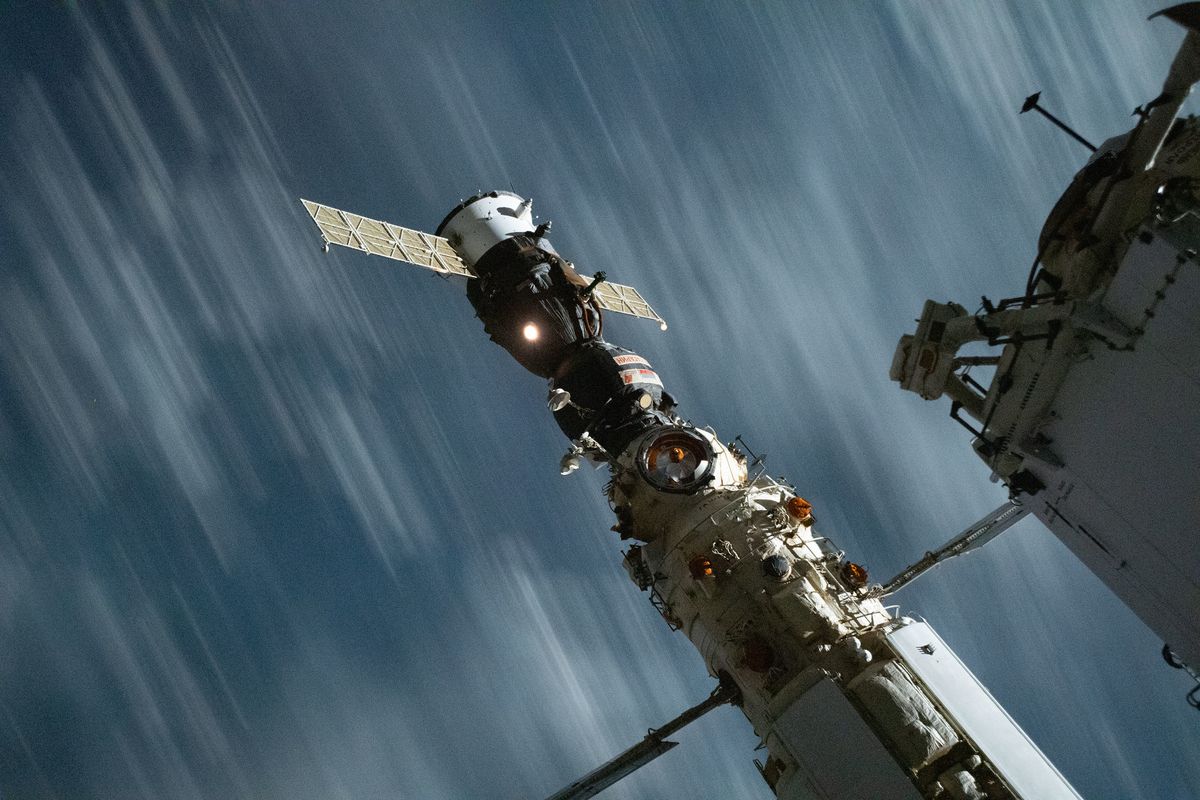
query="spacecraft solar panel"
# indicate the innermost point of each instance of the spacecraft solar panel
(387, 240)
(625, 300)
(435, 253)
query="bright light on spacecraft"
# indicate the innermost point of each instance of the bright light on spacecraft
(530, 332)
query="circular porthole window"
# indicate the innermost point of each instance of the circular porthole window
(676, 460)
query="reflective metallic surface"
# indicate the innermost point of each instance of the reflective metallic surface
(276, 523)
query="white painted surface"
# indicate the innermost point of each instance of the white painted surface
(489, 220)
(837, 754)
(1126, 426)
(976, 712)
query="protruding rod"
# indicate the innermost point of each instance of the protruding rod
(596, 281)
(1031, 104)
(972, 538)
(645, 751)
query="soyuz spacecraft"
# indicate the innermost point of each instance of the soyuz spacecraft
(849, 699)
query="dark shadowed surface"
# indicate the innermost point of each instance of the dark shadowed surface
(278, 524)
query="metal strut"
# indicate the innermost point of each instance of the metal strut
(648, 749)
(1031, 104)
(973, 537)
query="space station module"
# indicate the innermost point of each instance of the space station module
(1080, 391)
(849, 699)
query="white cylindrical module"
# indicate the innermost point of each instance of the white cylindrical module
(483, 221)
(849, 701)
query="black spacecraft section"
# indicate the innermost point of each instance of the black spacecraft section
(615, 395)
(536, 306)
(522, 282)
